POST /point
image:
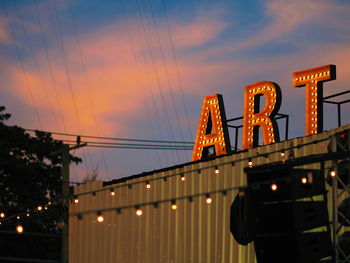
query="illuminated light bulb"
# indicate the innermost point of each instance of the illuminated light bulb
(148, 185)
(18, 217)
(216, 171)
(19, 229)
(282, 154)
(208, 199)
(76, 201)
(250, 163)
(2, 215)
(138, 212)
(45, 207)
(100, 218)
(28, 214)
(332, 173)
(40, 208)
(112, 192)
(274, 187)
(173, 205)
(183, 178)
(304, 180)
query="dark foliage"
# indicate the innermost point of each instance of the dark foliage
(30, 175)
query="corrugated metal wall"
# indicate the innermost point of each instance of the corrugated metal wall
(195, 232)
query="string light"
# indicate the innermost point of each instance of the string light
(138, 211)
(76, 200)
(2, 215)
(250, 163)
(28, 214)
(18, 217)
(199, 170)
(274, 187)
(100, 217)
(208, 199)
(304, 180)
(148, 185)
(19, 229)
(173, 205)
(216, 171)
(112, 192)
(190, 198)
(332, 173)
(183, 178)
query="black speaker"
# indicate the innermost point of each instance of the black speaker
(297, 248)
(290, 217)
(282, 215)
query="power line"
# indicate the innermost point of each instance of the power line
(111, 138)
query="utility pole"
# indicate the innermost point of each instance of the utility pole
(66, 194)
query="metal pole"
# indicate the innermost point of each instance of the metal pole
(339, 114)
(65, 192)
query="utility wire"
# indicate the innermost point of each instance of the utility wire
(20, 58)
(111, 138)
(129, 144)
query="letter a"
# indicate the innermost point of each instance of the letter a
(212, 130)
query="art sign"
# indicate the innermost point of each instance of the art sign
(212, 130)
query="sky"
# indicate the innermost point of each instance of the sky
(141, 68)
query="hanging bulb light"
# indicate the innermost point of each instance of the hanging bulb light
(40, 208)
(19, 229)
(216, 171)
(183, 178)
(148, 185)
(208, 199)
(112, 192)
(76, 199)
(304, 180)
(138, 211)
(2, 215)
(100, 217)
(173, 205)
(250, 163)
(274, 187)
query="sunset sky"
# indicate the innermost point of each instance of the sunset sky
(141, 68)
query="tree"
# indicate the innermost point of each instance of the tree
(30, 175)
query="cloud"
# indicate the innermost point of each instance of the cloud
(115, 76)
(5, 36)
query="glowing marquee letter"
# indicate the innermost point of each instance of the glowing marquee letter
(312, 79)
(252, 118)
(211, 131)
